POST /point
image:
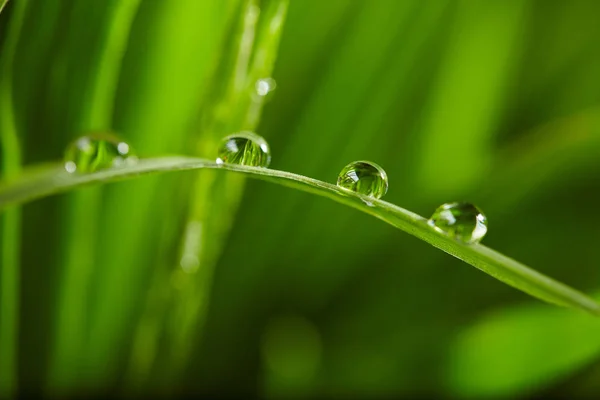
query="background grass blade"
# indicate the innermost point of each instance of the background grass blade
(214, 201)
(472, 82)
(556, 152)
(10, 222)
(227, 89)
(182, 67)
(93, 111)
(493, 263)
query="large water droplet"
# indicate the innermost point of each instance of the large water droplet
(264, 86)
(364, 177)
(97, 151)
(244, 148)
(462, 221)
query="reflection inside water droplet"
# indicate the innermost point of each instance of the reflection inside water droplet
(462, 221)
(364, 177)
(97, 151)
(244, 148)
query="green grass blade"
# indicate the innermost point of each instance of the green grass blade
(55, 180)
(546, 157)
(254, 50)
(179, 43)
(108, 48)
(10, 245)
(9, 300)
(460, 121)
(229, 105)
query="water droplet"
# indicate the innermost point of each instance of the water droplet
(364, 177)
(462, 221)
(97, 151)
(264, 86)
(244, 148)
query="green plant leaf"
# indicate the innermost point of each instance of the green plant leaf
(51, 180)
(508, 343)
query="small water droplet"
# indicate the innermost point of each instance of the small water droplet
(265, 86)
(364, 177)
(97, 151)
(462, 221)
(244, 148)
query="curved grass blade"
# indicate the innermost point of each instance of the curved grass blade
(52, 180)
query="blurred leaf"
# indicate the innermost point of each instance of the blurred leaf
(459, 123)
(10, 222)
(234, 106)
(511, 352)
(291, 348)
(93, 54)
(172, 52)
(544, 158)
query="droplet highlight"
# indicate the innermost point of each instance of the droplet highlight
(97, 151)
(364, 177)
(264, 86)
(244, 148)
(461, 221)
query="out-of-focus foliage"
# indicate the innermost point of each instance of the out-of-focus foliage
(496, 103)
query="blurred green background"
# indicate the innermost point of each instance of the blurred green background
(292, 295)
